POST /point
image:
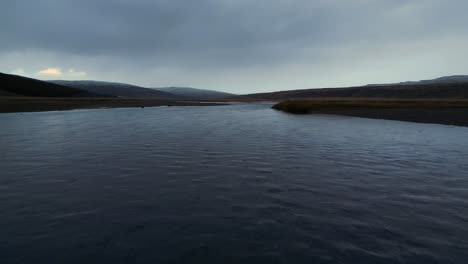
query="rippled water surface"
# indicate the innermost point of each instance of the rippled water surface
(230, 184)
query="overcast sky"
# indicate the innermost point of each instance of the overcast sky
(239, 46)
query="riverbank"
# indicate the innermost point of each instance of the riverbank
(447, 112)
(40, 104)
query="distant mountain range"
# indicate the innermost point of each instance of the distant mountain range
(13, 85)
(194, 93)
(133, 91)
(444, 87)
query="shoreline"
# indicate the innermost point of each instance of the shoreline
(444, 112)
(452, 117)
(44, 104)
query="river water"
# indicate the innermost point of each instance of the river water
(230, 184)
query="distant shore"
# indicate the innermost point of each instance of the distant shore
(40, 104)
(447, 112)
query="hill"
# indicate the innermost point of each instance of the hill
(14, 85)
(117, 89)
(445, 79)
(399, 91)
(194, 93)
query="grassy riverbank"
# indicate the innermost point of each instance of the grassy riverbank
(450, 112)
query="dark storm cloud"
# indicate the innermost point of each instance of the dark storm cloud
(222, 33)
(227, 28)
(200, 29)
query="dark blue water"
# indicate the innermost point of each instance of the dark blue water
(230, 184)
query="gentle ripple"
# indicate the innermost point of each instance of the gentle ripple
(230, 184)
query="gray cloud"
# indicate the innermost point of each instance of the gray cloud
(253, 45)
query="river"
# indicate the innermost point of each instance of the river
(230, 184)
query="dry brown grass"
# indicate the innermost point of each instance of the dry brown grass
(304, 106)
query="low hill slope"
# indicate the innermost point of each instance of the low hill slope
(117, 89)
(14, 85)
(434, 90)
(194, 93)
(445, 79)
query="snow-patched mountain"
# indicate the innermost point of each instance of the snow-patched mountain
(194, 93)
